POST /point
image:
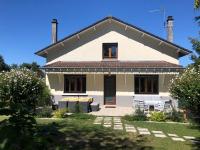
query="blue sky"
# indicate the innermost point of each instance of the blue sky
(25, 24)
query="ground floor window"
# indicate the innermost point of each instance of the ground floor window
(74, 83)
(146, 84)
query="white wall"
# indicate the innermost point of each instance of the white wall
(131, 47)
(95, 84)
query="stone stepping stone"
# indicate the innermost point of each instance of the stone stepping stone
(143, 129)
(117, 120)
(178, 139)
(107, 125)
(189, 137)
(97, 123)
(144, 133)
(118, 128)
(157, 132)
(117, 123)
(160, 135)
(129, 127)
(172, 135)
(131, 130)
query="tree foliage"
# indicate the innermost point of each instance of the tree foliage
(3, 65)
(196, 4)
(31, 66)
(20, 91)
(186, 88)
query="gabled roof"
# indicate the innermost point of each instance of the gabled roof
(182, 51)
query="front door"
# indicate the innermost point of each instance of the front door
(110, 89)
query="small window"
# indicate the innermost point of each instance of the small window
(110, 50)
(74, 84)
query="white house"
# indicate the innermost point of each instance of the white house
(112, 61)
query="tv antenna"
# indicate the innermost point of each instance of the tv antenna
(161, 10)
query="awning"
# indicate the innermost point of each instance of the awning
(113, 67)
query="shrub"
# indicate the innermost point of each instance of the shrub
(175, 116)
(45, 98)
(45, 112)
(60, 113)
(157, 116)
(138, 116)
(20, 90)
(82, 116)
(186, 88)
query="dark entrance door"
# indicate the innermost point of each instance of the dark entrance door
(110, 89)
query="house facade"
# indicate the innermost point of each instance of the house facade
(113, 62)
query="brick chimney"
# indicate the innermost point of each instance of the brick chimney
(54, 30)
(170, 24)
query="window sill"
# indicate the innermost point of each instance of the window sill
(109, 59)
(74, 94)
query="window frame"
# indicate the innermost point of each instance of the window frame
(75, 78)
(146, 78)
(109, 44)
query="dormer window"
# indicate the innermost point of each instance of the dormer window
(110, 50)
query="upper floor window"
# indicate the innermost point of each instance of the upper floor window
(110, 50)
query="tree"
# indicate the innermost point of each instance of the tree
(186, 88)
(196, 4)
(31, 66)
(20, 91)
(3, 65)
(34, 67)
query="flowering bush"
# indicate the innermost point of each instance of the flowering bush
(186, 88)
(20, 91)
(157, 116)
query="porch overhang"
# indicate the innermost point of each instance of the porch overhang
(113, 67)
(113, 71)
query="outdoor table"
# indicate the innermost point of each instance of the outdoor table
(82, 102)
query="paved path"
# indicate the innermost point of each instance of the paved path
(117, 124)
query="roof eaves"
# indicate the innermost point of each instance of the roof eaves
(184, 50)
(71, 35)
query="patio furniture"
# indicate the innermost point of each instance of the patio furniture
(72, 106)
(62, 104)
(81, 104)
(54, 106)
(94, 106)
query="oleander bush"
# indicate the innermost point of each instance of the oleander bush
(186, 88)
(20, 91)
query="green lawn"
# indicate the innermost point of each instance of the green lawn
(167, 143)
(78, 132)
